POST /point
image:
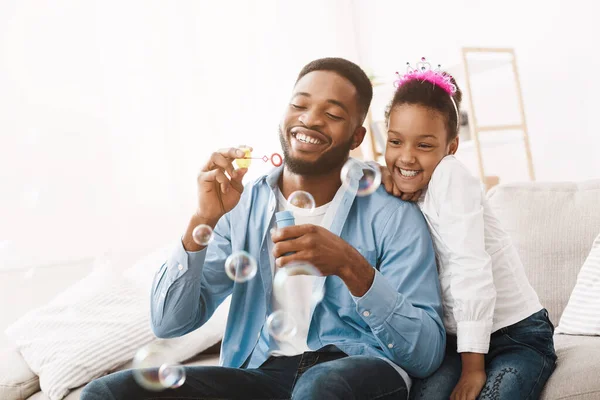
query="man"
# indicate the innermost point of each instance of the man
(379, 320)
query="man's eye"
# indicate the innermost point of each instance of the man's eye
(297, 107)
(334, 117)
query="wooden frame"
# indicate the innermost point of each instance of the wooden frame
(476, 129)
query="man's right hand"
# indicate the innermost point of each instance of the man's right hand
(217, 193)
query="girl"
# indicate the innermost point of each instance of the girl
(500, 342)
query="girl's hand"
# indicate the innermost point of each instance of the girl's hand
(469, 386)
(391, 188)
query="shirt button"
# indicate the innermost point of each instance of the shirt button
(180, 267)
(390, 345)
(366, 313)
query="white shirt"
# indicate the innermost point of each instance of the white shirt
(299, 289)
(484, 286)
(302, 287)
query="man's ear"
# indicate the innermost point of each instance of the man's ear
(358, 137)
(453, 146)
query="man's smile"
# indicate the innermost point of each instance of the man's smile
(307, 140)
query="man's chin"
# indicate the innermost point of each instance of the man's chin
(314, 163)
(303, 165)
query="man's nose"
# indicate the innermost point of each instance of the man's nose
(310, 118)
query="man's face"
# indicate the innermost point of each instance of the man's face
(321, 124)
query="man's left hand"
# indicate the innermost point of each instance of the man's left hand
(329, 253)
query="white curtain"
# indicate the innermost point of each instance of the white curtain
(109, 108)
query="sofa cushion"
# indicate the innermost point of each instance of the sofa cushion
(202, 359)
(97, 325)
(17, 380)
(582, 314)
(73, 395)
(576, 374)
(553, 226)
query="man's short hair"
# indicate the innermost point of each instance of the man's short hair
(350, 71)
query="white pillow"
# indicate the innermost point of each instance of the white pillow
(97, 325)
(582, 313)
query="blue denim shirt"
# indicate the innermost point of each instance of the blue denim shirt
(399, 318)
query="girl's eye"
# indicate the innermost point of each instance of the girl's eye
(394, 142)
(334, 117)
(426, 146)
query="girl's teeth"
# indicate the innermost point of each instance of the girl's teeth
(408, 173)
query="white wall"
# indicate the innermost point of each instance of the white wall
(109, 108)
(557, 52)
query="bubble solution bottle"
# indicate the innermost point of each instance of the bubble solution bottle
(283, 219)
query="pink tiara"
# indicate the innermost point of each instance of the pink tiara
(423, 72)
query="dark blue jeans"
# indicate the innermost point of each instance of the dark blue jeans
(520, 361)
(312, 375)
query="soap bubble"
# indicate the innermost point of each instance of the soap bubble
(286, 276)
(302, 199)
(154, 369)
(281, 326)
(202, 234)
(370, 180)
(171, 375)
(247, 160)
(240, 266)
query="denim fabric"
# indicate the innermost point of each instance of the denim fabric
(520, 360)
(312, 375)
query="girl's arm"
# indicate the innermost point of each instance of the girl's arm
(458, 198)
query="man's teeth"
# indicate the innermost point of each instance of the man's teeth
(408, 173)
(307, 139)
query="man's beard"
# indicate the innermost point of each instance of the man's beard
(328, 161)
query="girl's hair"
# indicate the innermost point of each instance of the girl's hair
(429, 95)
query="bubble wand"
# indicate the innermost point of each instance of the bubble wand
(245, 161)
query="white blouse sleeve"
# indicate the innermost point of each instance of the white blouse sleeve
(458, 199)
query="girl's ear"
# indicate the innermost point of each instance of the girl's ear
(453, 146)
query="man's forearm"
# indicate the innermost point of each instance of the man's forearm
(188, 240)
(358, 275)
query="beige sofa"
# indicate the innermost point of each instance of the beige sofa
(553, 226)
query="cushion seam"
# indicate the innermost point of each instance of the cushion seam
(20, 383)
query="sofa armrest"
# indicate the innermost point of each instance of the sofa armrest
(17, 380)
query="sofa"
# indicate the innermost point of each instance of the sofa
(553, 226)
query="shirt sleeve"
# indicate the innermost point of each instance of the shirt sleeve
(403, 305)
(458, 198)
(189, 286)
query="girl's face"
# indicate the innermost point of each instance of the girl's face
(417, 142)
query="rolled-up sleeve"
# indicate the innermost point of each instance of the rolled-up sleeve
(189, 286)
(403, 305)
